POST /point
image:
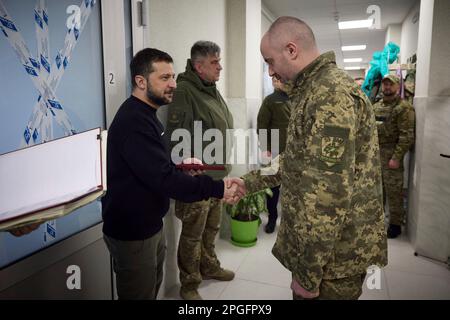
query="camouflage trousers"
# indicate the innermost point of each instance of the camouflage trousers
(196, 248)
(339, 289)
(392, 186)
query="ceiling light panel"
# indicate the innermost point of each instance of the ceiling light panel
(355, 24)
(354, 48)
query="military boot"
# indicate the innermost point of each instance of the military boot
(394, 231)
(270, 226)
(190, 294)
(220, 274)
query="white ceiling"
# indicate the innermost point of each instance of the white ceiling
(320, 15)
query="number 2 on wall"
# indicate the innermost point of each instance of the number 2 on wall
(111, 78)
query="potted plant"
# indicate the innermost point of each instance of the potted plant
(245, 218)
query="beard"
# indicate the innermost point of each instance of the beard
(388, 93)
(158, 100)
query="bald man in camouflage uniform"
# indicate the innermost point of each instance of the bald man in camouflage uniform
(332, 227)
(395, 121)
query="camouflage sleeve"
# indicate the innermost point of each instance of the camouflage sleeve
(269, 177)
(326, 183)
(379, 120)
(179, 116)
(264, 119)
(406, 127)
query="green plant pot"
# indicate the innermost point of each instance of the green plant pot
(243, 233)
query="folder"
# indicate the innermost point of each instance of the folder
(52, 179)
(203, 167)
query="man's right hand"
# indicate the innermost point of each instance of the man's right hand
(393, 164)
(234, 190)
(302, 292)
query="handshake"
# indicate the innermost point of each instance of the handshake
(234, 188)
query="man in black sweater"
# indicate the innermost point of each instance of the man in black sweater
(142, 178)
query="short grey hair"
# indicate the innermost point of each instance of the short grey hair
(202, 49)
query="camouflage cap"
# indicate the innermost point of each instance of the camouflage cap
(392, 78)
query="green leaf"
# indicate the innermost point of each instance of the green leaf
(252, 204)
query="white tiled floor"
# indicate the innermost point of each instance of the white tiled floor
(259, 276)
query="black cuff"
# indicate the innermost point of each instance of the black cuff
(218, 188)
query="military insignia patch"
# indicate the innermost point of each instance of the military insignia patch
(332, 150)
(332, 153)
(175, 117)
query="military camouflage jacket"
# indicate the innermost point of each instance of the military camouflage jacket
(395, 122)
(195, 102)
(332, 225)
(274, 114)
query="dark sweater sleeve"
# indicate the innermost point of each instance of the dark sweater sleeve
(145, 154)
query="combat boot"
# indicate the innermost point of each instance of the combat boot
(394, 231)
(220, 274)
(270, 226)
(190, 294)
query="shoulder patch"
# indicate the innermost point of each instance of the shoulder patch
(175, 117)
(332, 151)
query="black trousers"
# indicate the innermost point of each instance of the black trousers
(272, 204)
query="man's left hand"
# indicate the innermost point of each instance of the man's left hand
(394, 164)
(300, 291)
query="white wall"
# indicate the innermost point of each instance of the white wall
(393, 34)
(440, 68)
(236, 38)
(424, 50)
(114, 57)
(409, 34)
(428, 218)
(245, 72)
(244, 35)
(253, 55)
(265, 24)
(175, 26)
(267, 17)
(356, 73)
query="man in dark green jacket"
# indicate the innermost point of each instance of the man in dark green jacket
(197, 107)
(274, 114)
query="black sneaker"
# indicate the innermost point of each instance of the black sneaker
(394, 231)
(270, 227)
